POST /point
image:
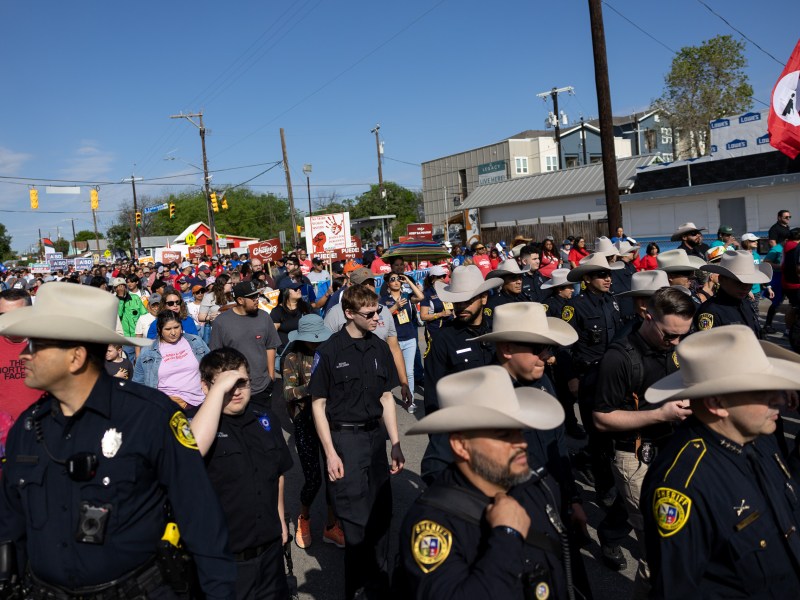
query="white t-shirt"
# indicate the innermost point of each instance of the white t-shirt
(143, 324)
(194, 310)
(315, 277)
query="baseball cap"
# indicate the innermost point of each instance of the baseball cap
(204, 269)
(361, 275)
(725, 230)
(197, 288)
(749, 237)
(245, 289)
(154, 299)
(117, 281)
(290, 284)
(186, 264)
(438, 271)
(351, 267)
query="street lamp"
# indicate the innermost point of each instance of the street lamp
(307, 171)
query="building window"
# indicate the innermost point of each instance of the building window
(521, 163)
(666, 135)
(551, 163)
(570, 161)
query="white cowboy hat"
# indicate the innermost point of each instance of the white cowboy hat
(516, 251)
(726, 360)
(485, 398)
(508, 267)
(528, 323)
(677, 260)
(558, 279)
(466, 282)
(591, 264)
(739, 265)
(625, 246)
(646, 283)
(70, 312)
(684, 229)
(603, 245)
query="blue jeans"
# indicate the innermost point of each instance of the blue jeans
(408, 348)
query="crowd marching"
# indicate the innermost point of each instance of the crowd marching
(143, 456)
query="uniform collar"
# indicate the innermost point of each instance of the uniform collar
(726, 299)
(99, 399)
(717, 440)
(347, 340)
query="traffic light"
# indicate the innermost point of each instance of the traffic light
(224, 203)
(214, 204)
(171, 210)
(138, 219)
(95, 200)
(34, 198)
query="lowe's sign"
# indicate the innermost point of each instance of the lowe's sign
(493, 172)
(740, 135)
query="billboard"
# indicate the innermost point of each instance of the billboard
(267, 250)
(327, 233)
(493, 172)
(196, 252)
(420, 231)
(169, 256)
(740, 135)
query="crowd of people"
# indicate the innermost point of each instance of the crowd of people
(141, 395)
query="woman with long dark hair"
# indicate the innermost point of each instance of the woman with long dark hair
(549, 260)
(401, 305)
(649, 261)
(171, 300)
(432, 310)
(578, 252)
(291, 307)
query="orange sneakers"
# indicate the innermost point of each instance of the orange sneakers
(334, 535)
(302, 536)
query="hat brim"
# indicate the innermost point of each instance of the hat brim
(636, 294)
(783, 375)
(319, 336)
(576, 274)
(538, 410)
(24, 322)
(445, 295)
(561, 334)
(549, 285)
(504, 272)
(676, 237)
(763, 274)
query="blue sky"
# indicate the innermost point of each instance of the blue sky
(89, 86)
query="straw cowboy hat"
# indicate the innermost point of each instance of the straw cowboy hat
(646, 283)
(726, 360)
(485, 398)
(684, 229)
(603, 245)
(66, 311)
(739, 265)
(508, 267)
(465, 283)
(677, 260)
(528, 323)
(558, 279)
(591, 264)
(626, 246)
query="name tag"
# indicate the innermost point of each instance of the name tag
(463, 350)
(448, 305)
(402, 317)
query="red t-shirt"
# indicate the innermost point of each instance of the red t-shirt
(648, 263)
(15, 396)
(483, 262)
(379, 267)
(576, 255)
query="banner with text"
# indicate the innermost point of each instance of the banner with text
(196, 252)
(420, 231)
(267, 251)
(326, 233)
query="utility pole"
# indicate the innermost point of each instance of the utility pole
(380, 165)
(74, 249)
(307, 171)
(289, 188)
(206, 179)
(96, 235)
(583, 140)
(136, 235)
(41, 247)
(553, 93)
(610, 181)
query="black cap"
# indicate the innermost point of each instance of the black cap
(245, 289)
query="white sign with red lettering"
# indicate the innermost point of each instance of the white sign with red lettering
(326, 233)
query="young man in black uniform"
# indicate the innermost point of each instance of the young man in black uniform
(720, 507)
(511, 290)
(489, 525)
(92, 464)
(730, 305)
(691, 240)
(352, 377)
(639, 430)
(246, 457)
(528, 260)
(595, 316)
(680, 267)
(622, 279)
(451, 351)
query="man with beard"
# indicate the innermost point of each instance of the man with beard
(467, 537)
(719, 505)
(737, 274)
(691, 239)
(452, 351)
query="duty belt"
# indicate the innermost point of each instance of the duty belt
(139, 583)
(355, 427)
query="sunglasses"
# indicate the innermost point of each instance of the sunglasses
(480, 248)
(173, 302)
(34, 345)
(667, 337)
(368, 315)
(395, 279)
(602, 275)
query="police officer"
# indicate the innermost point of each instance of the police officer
(629, 367)
(352, 377)
(489, 526)
(720, 508)
(451, 351)
(511, 290)
(529, 260)
(92, 464)
(680, 268)
(246, 457)
(730, 305)
(691, 240)
(622, 279)
(595, 316)
(559, 291)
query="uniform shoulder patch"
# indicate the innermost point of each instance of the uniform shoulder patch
(430, 545)
(179, 425)
(705, 321)
(567, 313)
(671, 510)
(675, 360)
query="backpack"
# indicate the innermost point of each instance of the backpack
(635, 359)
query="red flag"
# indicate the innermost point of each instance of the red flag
(784, 118)
(47, 243)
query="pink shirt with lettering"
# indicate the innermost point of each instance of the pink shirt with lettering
(179, 372)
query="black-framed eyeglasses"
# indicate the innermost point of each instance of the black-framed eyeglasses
(33, 345)
(173, 302)
(368, 315)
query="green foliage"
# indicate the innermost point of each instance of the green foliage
(399, 201)
(705, 82)
(119, 236)
(84, 235)
(5, 244)
(61, 245)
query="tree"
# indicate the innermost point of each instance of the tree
(705, 82)
(61, 245)
(5, 244)
(119, 236)
(84, 235)
(399, 201)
